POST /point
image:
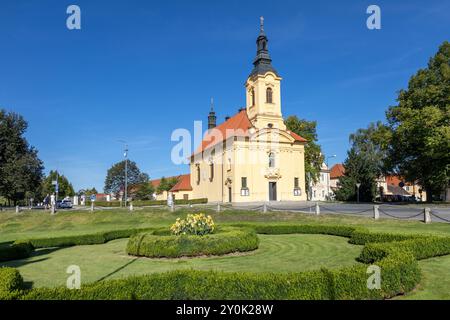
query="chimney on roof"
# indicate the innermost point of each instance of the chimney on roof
(227, 118)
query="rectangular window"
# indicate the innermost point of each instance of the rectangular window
(244, 182)
(297, 191)
(244, 188)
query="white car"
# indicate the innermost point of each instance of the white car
(64, 204)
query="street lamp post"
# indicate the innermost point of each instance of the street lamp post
(126, 173)
(125, 154)
(328, 179)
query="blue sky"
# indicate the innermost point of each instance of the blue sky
(137, 70)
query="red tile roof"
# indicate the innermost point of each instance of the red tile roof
(227, 129)
(183, 184)
(337, 171)
(155, 183)
(237, 125)
(395, 181)
(296, 136)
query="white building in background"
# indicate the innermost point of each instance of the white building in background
(321, 190)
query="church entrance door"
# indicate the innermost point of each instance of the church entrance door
(272, 191)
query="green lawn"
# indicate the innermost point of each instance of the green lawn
(41, 224)
(436, 280)
(277, 253)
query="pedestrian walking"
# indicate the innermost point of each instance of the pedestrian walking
(46, 201)
(52, 200)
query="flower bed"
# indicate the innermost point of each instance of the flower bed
(157, 244)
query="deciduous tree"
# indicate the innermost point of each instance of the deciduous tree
(313, 153)
(115, 177)
(420, 124)
(21, 170)
(65, 188)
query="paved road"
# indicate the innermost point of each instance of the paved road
(394, 211)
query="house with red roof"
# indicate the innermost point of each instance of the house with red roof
(390, 187)
(181, 190)
(336, 172)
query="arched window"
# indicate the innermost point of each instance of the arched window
(271, 160)
(252, 93)
(269, 95)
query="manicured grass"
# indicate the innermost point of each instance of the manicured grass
(276, 253)
(281, 253)
(436, 280)
(37, 224)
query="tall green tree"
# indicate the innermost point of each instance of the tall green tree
(115, 177)
(166, 184)
(87, 192)
(21, 170)
(65, 188)
(365, 163)
(420, 124)
(143, 191)
(313, 153)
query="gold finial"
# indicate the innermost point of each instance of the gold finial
(261, 23)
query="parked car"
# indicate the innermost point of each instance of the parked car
(64, 204)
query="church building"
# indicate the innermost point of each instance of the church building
(251, 156)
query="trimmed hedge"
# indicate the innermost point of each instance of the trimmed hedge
(400, 273)
(421, 248)
(396, 257)
(84, 239)
(198, 285)
(23, 248)
(362, 236)
(142, 203)
(335, 230)
(170, 246)
(11, 283)
(17, 250)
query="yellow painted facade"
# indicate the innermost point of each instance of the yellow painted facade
(263, 162)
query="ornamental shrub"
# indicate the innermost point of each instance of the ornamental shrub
(194, 224)
(395, 254)
(144, 203)
(421, 248)
(14, 251)
(158, 245)
(363, 236)
(84, 239)
(11, 283)
(335, 230)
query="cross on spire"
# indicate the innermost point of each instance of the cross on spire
(262, 61)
